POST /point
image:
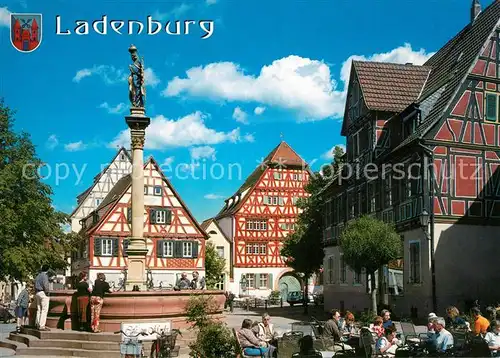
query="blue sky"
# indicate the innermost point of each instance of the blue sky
(271, 68)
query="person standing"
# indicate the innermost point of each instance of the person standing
(197, 283)
(22, 304)
(42, 298)
(101, 287)
(83, 299)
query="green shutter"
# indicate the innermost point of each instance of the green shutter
(152, 216)
(129, 215)
(126, 242)
(270, 283)
(195, 249)
(115, 243)
(491, 107)
(257, 280)
(178, 248)
(159, 248)
(97, 247)
(168, 216)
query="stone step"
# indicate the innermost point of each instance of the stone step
(66, 352)
(65, 343)
(60, 334)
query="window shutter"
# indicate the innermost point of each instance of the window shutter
(281, 200)
(129, 215)
(178, 248)
(491, 107)
(152, 216)
(257, 280)
(159, 248)
(126, 242)
(270, 283)
(115, 243)
(168, 216)
(97, 247)
(264, 199)
(195, 249)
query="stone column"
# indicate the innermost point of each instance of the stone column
(137, 249)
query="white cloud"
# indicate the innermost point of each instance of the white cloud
(240, 116)
(328, 155)
(248, 138)
(52, 142)
(118, 109)
(187, 131)
(202, 152)
(213, 196)
(168, 161)
(302, 85)
(74, 146)
(174, 13)
(112, 75)
(259, 110)
(4, 17)
(150, 77)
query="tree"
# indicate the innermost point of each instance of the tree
(214, 266)
(370, 243)
(304, 247)
(31, 230)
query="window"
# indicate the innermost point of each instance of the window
(263, 280)
(187, 249)
(256, 249)
(297, 176)
(277, 175)
(122, 156)
(330, 270)
(256, 225)
(343, 270)
(388, 191)
(287, 226)
(415, 262)
(220, 251)
(220, 285)
(145, 190)
(409, 127)
(250, 280)
(357, 277)
(372, 196)
(168, 248)
(162, 216)
(107, 247)
(328, 215)
(157, 190)
(98, 201)
(491, 112)
(273, 200)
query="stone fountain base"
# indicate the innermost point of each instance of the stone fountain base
(130, 307)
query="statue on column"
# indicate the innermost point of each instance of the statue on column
(136, 89)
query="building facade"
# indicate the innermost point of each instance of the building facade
(224, 248)
(430, 135)
(175, 241)
(258, 218)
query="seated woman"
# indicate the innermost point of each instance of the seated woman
(249, 342)
(378, 326)
(348, 327)
(386, 344)
(454, 319)
(265, 331)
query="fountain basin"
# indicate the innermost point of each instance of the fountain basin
(131, 306)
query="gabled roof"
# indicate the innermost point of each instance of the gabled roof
(121, 188)
(281, 156)
(205, 224)
(83, 196)
(450, 67)
(390, 87)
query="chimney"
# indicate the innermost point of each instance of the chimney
(475, 10)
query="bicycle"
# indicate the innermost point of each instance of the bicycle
(164, 344)
(131, 347)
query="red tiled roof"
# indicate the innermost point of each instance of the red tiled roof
(390, 87)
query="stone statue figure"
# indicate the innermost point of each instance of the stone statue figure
(136, 89)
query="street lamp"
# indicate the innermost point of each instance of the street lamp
(424, 222)
(243, 285)
(424, 219)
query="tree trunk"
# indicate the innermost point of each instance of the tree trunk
(374, 293)
(382, 288)
(306, 294)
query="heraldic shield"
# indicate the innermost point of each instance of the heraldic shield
(25, 31)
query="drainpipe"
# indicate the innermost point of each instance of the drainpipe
(430, 236)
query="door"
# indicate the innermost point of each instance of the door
(284, 290)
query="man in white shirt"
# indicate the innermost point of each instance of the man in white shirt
(442, 340)
(493, 339)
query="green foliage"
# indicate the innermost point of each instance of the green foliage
(369, 243)
(31, 230)
(214, 266)
(367, 318)
(215, 341)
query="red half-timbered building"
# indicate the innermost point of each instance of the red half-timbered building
(258, 218)
(175, 240)
(439, 124)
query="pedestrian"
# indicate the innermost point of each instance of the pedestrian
(101, 287)
(83, 299)
(42, 298)
(22, 304)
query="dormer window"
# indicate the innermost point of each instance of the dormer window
(409, 126)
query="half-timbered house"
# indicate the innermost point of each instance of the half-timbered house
(175, 241)
(438, 124)
(258, 218)
(223, 246)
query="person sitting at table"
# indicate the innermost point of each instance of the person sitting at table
(250, 344)
(442, 340)
(454, 319)
(348, 326)
(492, 338)
(378, 326)
(265, 330)
(331, 331)
(430, 323)
(386, 315)
(385, 345)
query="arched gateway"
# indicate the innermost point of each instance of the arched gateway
(289, 282)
